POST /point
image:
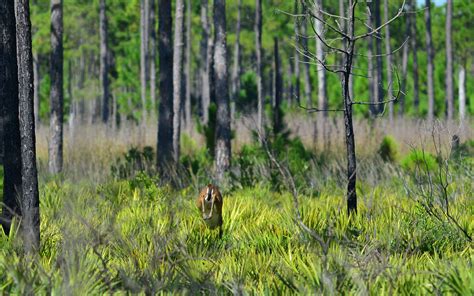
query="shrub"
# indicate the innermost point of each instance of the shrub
(419, 159)
(388, 149)
(132, 162)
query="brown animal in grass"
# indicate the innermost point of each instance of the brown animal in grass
(209, 204)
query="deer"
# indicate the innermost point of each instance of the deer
(210, 202)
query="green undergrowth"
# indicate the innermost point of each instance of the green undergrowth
(135, 237)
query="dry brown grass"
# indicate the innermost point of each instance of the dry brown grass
(90, 150)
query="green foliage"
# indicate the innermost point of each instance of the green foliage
(132, 237)
(247, 99)
(388, 149)
(133, 162)
(419, 159)
(209, 130)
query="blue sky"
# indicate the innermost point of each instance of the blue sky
(437, 2)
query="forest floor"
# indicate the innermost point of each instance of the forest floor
(109, 225)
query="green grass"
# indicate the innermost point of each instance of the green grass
(132, 236)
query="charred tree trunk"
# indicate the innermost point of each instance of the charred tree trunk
(206, 57)
(322, 98)
(388, 50)
(449, 61)
(277, 113)
(57, 92)
(379, 91)
(236, 69)
(414, 45)
(307, 76)
(430, 64)
(258, 47)
(143, 54)
(165, 155)
(177, 75)
(297, 57)
(104, 64)
(223, 148)
(406, 47)
(30, 197)
(462, 91)
(187, 71)
(12, 185)
(152, 51)
(348, 124)
(36, 74)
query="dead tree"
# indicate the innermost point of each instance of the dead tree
(29, 174)
(345, 45)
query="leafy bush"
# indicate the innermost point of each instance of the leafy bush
(388, 149)
(419, 159)
(209, 130)
(132, 162)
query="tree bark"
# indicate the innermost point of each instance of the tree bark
(388, 50)
(258, 47)
(379, 91)
(406, 47)
(462, 92)
(57, 92)
(348, 124)
(236, 69)
(306, 74)
(430, 65)
(187, 104)
(322, 98)
(153, 56)
(223, 145)
(36, 74)
(104, 64)
(177, 75)
(414, 45)
(30, 196)
(449, 61)
(277, 113)
(12, 185)
(206, 57)
(297, 56)
(143, 54)
(370, 65)
(165, 154)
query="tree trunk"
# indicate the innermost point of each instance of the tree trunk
(414, 45)
(322, 98)
(104, 64)
(187, 104)
(462, 91)
(258, 47)
(379, 91)
(307, 76)
(36, 74)
(165, 154)
(236, 69)
(12, 185)
(223, 148)
(388, 50)
(153, 56)
(277, 113)
(449, 61)
(177, 75)
(406, 47)
(370, 61)
(348, 124)
(205, 61)
(57, 92)
(30, 196)
(297, 56)
(143, 54)
(430, 65)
